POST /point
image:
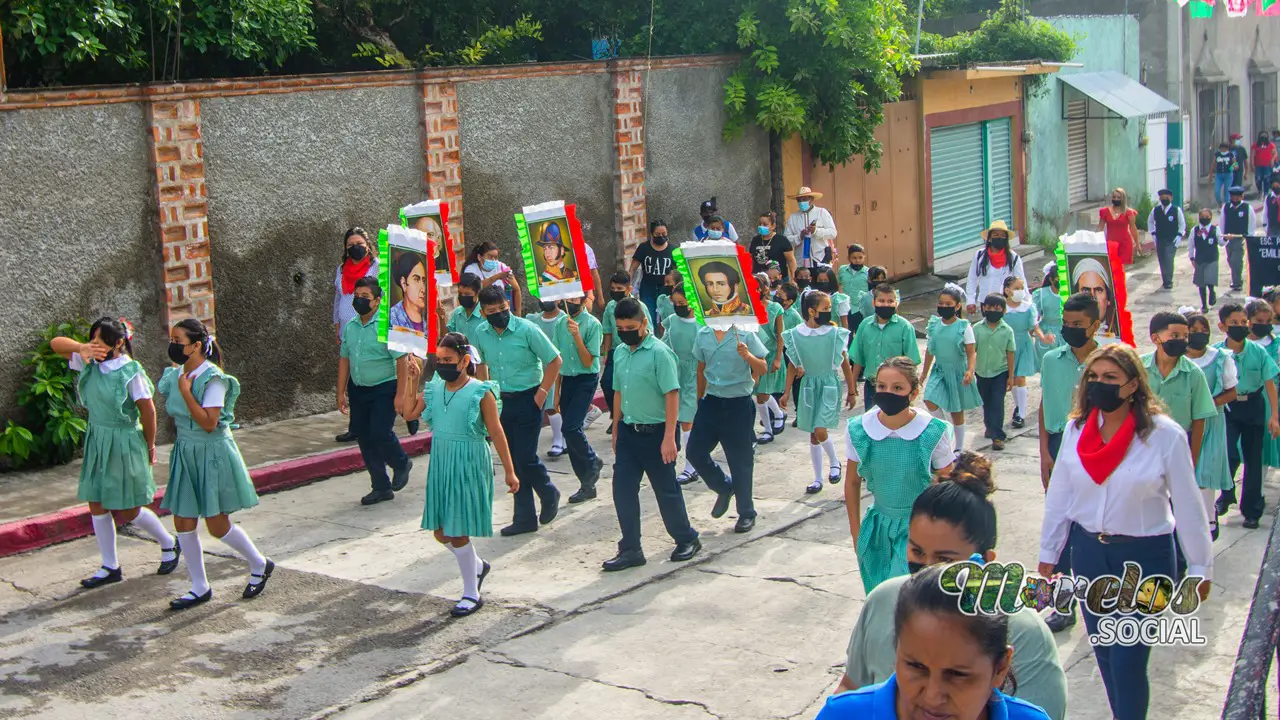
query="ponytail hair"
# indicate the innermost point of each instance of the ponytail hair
(198, 332)
(478, 253)
(963, 499)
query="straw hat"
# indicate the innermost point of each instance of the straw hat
(997, 225)
(806, 191)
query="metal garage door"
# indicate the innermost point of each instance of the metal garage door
(999, 170)
(1077, 152)
(956, 172)
(1157, 155)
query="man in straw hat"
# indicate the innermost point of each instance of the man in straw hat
(811, 229)
(1168, 226)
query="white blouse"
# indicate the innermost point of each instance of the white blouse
(978, 286)
(969, 338)
(943, 454)
(1135, 500)
(1229, 376)
(215, 393)
(138, 389)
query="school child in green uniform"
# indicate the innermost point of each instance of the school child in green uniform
(1261, 325)
(619, 288)
(1048, 304)
(876, 276)
(207, 475)
(1250, 418)
(891, 335)
(1213, 473)
(665, 307)
(680, 329)
(525, 364)
(1021, 315)
(804, 278)
(818, 351)
(825, 280)
(579, 344)
(551, 321)
(897, 450)
(854, 283)
(774, 378)
(466, 319)
(950, 360)
(788, 296)
(119, 446)
(644, 438)
(997, 350)
(461, 411)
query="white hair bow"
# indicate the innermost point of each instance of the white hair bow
(1049, 268)
(953, 287)
(1250, 299)
(1188, 310)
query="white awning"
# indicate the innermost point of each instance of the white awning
(1120, 94)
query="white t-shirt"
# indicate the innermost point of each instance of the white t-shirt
(215, 393)
(969, 339)
(138, 389)
(943, 454)
(479, 272)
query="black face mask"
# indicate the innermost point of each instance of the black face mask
(665, 290)
(823, 318)
(856, 267)
(884, 312)
(1118, 203)
(574, 308)
(1238, 333)
(999, 243)
(1175, 348)
(448, 372)
(915, 567)
(630, 337)
(357, 252)
(468, 302)
(946, 312)
(499, 320)
(1104, 396)
(1075, 337)
(1198, 341)
(1260, 329)
(892, 403)
(802, 284)
(177, 353)
(992, 316)
(682, 310)
(1204, 222)
(547, 306)
(659, 240)
(363, 305)
(617, 295)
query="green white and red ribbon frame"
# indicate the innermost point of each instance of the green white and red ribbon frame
(397, 340)
(735, 256)
(1086, 243)
(439, 211)
(544, 290)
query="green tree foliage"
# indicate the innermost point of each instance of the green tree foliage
(52, 421)
(1006, 36)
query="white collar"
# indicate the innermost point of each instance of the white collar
(1024, 307)
(806, 330)
(690, 319)
(204, 367)
(1264, 342)
(912, 430)
(1210, 353)
(113, 364)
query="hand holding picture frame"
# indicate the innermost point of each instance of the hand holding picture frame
(431, 217)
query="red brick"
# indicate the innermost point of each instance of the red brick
(435, 142)
(169, 193)
(176, 273)
(166, 153)
(198, 250)
(189, 131)
(203, 287)
(452, 157)
(449, 123)
(192, 170)
(174, 234)
(197, 209)
(432, 108)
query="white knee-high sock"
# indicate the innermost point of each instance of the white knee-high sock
(829, 447)
(684, 443)
(104, 531)
(468, 562)
(959, 430)
(1209, 496)
(557, 430)
(193, 555)
(819, 472)
(1020, 400)
(940, 414)
(762, 410)
(774, 408)
(240, 542)
(148, 523)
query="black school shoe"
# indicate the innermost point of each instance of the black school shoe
(624, 561)
(254, 589)
(413, 426)
(168, 566)
(401, 477)
(1058, 622)
(1017, 422)
(190, 600)
(93, 581)
(377, 496)
(1250, 523)
(550, 509)
(345, 437)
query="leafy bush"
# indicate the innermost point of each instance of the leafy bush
(52, 421)
(1144, 208)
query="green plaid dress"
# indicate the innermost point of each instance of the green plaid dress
(771, 382)
(945, 387)
(820, 356)
(1213, 472)
(896, 472)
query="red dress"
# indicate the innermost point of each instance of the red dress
(1117, 232)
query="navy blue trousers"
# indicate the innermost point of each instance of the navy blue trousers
(640, 454)
(373, 418)
(522, 423)
(576, 394)
(729, 423)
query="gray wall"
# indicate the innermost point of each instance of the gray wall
(287, 174)
(76, 230)
(687, 160)
(531, 140)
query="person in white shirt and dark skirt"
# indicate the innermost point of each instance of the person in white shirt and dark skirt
(1123, 481)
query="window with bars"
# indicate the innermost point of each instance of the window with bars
(1262, 103)
(1211, 119)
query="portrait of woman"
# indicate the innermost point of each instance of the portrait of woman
(409, 283)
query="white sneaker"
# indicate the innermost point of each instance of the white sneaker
(592, 415)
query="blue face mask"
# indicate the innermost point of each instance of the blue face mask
(715, 234)
(805, 205)
(764, 230)
(489, 265)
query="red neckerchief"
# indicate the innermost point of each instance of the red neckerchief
(998, 258)
(351, 272)
(1099, 458)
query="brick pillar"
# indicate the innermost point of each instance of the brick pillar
(628, 186)
(177, 153)
(443, 177)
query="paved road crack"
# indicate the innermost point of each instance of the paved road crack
(19, 588)
(779, 579)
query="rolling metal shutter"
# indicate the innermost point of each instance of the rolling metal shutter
(999, 171)
(1077, 152)
(958, 199)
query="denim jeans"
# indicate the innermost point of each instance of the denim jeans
(640, 454)
(1262, 178)
(522, 423)
(1221, 186)
(373, 417)
(576, 394)
(729, 423)
(993, 390)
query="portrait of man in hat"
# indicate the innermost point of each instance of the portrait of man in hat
(556, 262)
(1092, 274)
(721, 283)
(430, 225)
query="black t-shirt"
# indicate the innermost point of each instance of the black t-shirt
(654, 264)
(763, 251)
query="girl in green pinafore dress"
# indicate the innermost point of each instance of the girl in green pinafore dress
(678, 331)
(664, 305)
(1261, 319)
(788, 297)
(1213, 471)
(897, 450)
(950, 359)
(775, 378)
(1048, 304)
(818, 351)
(552, 321)
(207, 475)
(1022, 317)
(824, 279)
(460, 410)
(119, 445)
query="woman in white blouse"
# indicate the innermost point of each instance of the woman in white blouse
(991, 264)
(1122, 482)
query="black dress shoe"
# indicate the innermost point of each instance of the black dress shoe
(550, 509)
(585, 493)
(377, 496)
(1250, 524)
(254, 589)
(623, 561)
(346, 437)
(593, 475)
(93, 581)
(168, 566)
(1058, 622)
(744, 525)
(459, 611)
(513, 530)
(722, 504)
(686, 551)
(413, 426)
(401, 477)
(1223, 504)
(556, 452)
(190, 600)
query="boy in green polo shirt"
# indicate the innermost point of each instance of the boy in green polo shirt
(579, 345)
(1247, 418)
(646, 411)
(1177, 381)
(619, 288)
(995, 347)
(515, 354)
(853, 282)
(467, 318)
(889, 336)
(369, 382)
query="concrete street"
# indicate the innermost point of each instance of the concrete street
(355, 621)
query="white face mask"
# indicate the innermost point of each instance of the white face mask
(1019, 295)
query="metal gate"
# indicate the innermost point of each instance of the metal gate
(957, 173)
(1077, 152)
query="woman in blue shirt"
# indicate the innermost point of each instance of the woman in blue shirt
(949, 664)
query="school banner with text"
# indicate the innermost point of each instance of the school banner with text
(1264, 262)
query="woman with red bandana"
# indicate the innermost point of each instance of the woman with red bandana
(991, 265)
(358, 260)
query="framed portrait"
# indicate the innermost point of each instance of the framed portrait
(406, 316)
(1086, 264)
(552, 248)
(431, 217)
(718, 284)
